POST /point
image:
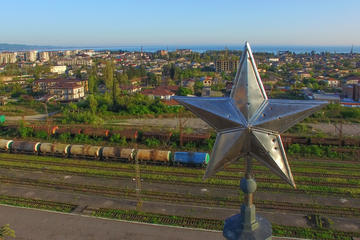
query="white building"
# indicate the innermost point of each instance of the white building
(58, 69)
(8, 57)
(44, 56)
(31, 56)
(67, 91)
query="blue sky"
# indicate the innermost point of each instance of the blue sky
(182, 22)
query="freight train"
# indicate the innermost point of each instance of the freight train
(288, 140)
(134, 135)
(128, 134)
(197, 159)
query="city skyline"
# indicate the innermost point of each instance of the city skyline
(129, 23)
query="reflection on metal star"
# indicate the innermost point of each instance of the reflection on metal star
(248, 123)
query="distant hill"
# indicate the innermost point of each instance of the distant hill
(22, 47)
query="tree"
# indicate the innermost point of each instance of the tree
(153, 79)
(110, 82)
(92, 103)
(93, 79)
(92, 83)
(109, 74)
(183, 91)
(123, 78)
(198, 86)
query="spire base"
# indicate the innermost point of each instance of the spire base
(236, 229)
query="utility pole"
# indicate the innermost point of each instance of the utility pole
(47, 118)
(182, 122)
(138, 184)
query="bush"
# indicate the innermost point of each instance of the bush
(294, 149)
(82, 138)
(152, 142)
(41, 134)
(25, 131)
(64, 137)
(116, 138)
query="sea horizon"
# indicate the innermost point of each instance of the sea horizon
(195, 48)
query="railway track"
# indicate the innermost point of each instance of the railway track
(177, 173)
(183, 198)
(315, 159)
(355, 167)
(222, 177)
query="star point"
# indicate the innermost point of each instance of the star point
(248, 123)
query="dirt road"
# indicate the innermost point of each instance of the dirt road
(37, 117)
(196, 123)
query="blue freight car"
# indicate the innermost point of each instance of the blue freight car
(191, 158)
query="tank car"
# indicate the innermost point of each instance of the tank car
(198, 138)
(71, 130)
(128, 134)
(96, 132)
(162, 136)
(152, 155)
(191, 158)
(85, 151)
(54, 149)
(5, 145)
(51, 130)
(25, 147)
(118, 153)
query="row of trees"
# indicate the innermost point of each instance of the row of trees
(96, 105)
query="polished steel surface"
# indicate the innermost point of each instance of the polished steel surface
(248, 123)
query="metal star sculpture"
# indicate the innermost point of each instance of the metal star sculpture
(248, 123)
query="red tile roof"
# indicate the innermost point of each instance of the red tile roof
(157, 92)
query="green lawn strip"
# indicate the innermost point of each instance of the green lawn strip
(191, 180)
(312, 233)
(35, 203)
(216, 224)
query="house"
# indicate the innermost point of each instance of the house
(207, 92)
(333, 82)
(58, 69)
(43, 85)
(67, 91)
(158, 92)
(303, 75)
(3, 100)
(207, 81)
(130, 88)
(173, 89)
(332, 98)
(353, 81)
(188, 83)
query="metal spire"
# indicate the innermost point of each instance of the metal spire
(248, 123)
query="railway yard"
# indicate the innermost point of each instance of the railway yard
(176, 195)
(163, 185)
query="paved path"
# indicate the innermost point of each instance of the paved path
(33, 224)
(43, 225)
(197, 123)
(352, 130)
(36, 117)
